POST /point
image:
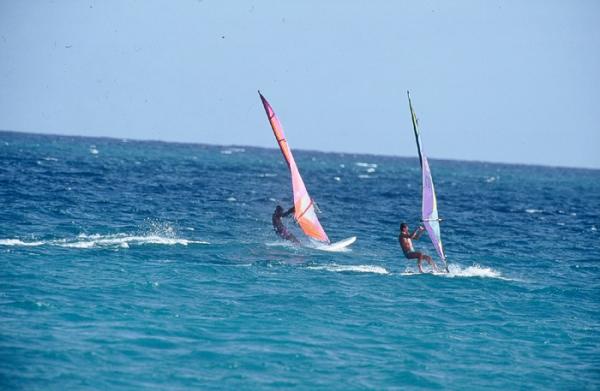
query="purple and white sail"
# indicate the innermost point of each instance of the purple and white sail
(429, 213)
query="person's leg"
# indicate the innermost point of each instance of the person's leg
(289, 236)
(431, 262)
(416, 255)
(419, 265)
(419, 257)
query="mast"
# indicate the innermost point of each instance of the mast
(429, 212)
(304, 206)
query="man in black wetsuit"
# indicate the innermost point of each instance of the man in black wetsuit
(279, 227)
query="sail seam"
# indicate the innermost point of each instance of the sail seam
(305, 210)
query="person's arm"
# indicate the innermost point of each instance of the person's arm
(289, 211)
(418, 232)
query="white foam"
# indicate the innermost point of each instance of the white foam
(533, 210)
(126, 241)
(369, 165)
(281, 243)
(329, 248)
(364, 176)
(229, 151)
(472, 271)
(17, 242)
(78, 245)
(84, 241)
(456, 271)
(351, 268)
(93, 150)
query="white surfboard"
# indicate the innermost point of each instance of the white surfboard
(337, 246)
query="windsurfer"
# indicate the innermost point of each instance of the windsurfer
(405, 238)
(278, 226)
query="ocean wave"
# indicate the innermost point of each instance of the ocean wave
(458, 271)
(18, 242)
(368, 165)
(84, 241)
(229, 151)
(472, 271)
(281, 243)
(351, 268)
(531, 211)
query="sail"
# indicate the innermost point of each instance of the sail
(429, 213)
(304, 206)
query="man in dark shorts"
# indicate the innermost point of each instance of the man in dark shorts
(278, 224)
(405, 239)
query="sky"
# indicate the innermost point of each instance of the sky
(500, 81)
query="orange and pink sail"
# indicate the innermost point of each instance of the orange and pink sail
(305, 213)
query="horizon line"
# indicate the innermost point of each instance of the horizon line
(295, 149)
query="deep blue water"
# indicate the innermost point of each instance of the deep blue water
(148, 265)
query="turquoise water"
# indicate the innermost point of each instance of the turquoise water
(147, 265)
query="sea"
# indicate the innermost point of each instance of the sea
(129, 265)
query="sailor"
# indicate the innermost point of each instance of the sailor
(405, 239)
(278, 224)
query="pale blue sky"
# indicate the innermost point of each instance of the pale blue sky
(503, 81)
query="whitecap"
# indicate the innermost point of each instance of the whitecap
(472, 271)
(281, 243)
(533, 211)
(456, 271)
(363, 164)
(231, 150)
(17, 242)
(76, 244)
(351, 268)
(84, 241)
